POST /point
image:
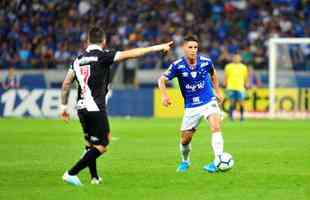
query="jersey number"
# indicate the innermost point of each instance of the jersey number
(85, 71)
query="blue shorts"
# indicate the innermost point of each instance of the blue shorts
(235, 95)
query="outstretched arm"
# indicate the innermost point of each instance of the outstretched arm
(165, 99)
(65, 91)
(216, 86)
(138, 52)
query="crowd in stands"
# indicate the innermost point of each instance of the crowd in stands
(46, 34)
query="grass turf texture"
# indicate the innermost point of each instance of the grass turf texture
(272, 161)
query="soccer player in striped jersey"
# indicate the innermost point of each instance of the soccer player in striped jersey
(197, 78)
(91, 70)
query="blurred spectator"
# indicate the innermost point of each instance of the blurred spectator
(11, 81)
(62, 57)
(47, 59)
(254, 78)
(130, 71)
(130, 68)
(24, 55)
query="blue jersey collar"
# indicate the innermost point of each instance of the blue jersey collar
(188, 65)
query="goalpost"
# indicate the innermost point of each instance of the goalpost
(289, 69)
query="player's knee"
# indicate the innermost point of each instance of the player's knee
(215, 128)
(186, 137)
(186, 141)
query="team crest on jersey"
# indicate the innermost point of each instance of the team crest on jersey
(194, 74)
(185, 74)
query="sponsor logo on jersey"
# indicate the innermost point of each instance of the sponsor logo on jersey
(80, 104)
(87, 60)
(196, 100)
(94, 139)
(200, 85)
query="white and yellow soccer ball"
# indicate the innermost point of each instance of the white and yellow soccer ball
(224, 161)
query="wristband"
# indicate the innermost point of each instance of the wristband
(63, 108)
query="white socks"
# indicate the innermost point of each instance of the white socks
(217, 143)
(185, 149)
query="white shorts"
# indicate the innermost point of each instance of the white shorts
(192, 116)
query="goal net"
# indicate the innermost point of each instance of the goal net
(289, 78)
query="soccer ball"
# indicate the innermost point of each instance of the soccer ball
(224, 161)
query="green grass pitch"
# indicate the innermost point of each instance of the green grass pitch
(272, 161)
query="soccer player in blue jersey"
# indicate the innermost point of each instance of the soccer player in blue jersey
(197, 79)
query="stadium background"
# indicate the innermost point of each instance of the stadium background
(40, 38)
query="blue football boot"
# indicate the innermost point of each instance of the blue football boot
(211, 168)
(183, 167)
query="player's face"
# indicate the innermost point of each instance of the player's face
(103, 43)
(237, 58)
(190, 49)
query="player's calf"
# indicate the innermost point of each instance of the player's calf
(185, 146)
(90, 156)
(186, 137)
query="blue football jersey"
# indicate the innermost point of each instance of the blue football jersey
(195, 84)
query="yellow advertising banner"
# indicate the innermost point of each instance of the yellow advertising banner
(287, 100)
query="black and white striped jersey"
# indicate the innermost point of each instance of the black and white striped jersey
(92, 71)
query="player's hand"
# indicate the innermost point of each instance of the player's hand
(219, 96)
(167, 46)
(166, 101)
(64, 115)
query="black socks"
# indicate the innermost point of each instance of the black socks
(89, 159)
(92, 166)
(241, 113)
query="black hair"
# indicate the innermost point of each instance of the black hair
(190, 37)
(96, 35)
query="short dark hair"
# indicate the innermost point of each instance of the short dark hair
(96, 35)
(190, 37)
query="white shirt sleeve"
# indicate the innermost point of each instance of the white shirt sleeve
(117, 56)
